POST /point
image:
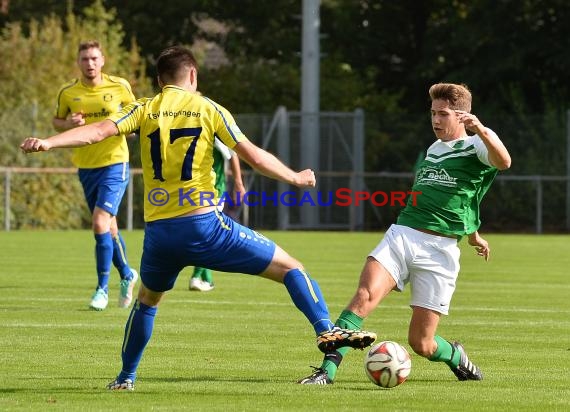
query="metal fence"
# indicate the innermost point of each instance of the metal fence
(519, 201)
(533, 212)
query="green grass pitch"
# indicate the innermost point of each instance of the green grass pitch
(243, 346)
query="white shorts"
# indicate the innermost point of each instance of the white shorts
(428, 262)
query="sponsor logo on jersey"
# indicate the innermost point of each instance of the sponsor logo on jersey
(431, 176)
(97, 115)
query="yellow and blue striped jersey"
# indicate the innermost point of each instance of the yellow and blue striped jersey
(177, 131)
(96, 103)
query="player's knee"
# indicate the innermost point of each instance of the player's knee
(149, 297)
(288, 264)
(99, 228)
(101, 221)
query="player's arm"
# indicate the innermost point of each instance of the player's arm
(498, 156)
(236, 176)
(268, 165)
(70, 122)
(128, 98)
(77, 137)
(481, 245)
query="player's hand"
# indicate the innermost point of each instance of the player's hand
(306, 178)
(470, 121)
(76, 120)
(33, 144)
(237, 192)
(481, 245)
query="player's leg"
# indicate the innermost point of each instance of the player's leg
(385, 269)
(421, 335)
(308, 298)
(374, 284)
(138, 331)
(112, 185)
(201, 279)
(120, 252)
(304, 290)
(246, 251)
(110, 197)
(101, 222)
(159, 272)
(129, 276)
(90, 180)
(424, 341)
(436, 268)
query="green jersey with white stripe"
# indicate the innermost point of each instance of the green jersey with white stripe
(453, 178)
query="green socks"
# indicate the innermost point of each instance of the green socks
(203, 273)
(445, 353)
(349, 320)
(331, 362)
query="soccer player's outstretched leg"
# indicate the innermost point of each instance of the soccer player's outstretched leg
(177, 161)
(421, 248)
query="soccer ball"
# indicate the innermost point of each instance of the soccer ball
(387, 364)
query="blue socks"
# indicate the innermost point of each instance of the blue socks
(307, 297)
(304, 292)
(107, 250)
(103, 257)
(120, 257)
(138, 331)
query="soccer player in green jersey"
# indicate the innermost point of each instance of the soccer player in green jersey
(202, 278)
(183, 224)
(103, 169)
(421, 248)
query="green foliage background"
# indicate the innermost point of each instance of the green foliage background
(39, 57)
(379, 55)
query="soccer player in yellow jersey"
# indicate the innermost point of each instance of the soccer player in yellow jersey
(183, 225)
(104, 168)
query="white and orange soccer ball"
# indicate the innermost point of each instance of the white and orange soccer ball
(387, 364)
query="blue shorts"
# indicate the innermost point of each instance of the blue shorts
(104, 187)
(211, 240)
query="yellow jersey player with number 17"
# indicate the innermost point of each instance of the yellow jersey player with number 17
(177, 131)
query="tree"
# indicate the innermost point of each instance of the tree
(380, 55)
(30, 78)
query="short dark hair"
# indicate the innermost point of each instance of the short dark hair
(457, 95)
(89, 44)
(174, 62)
